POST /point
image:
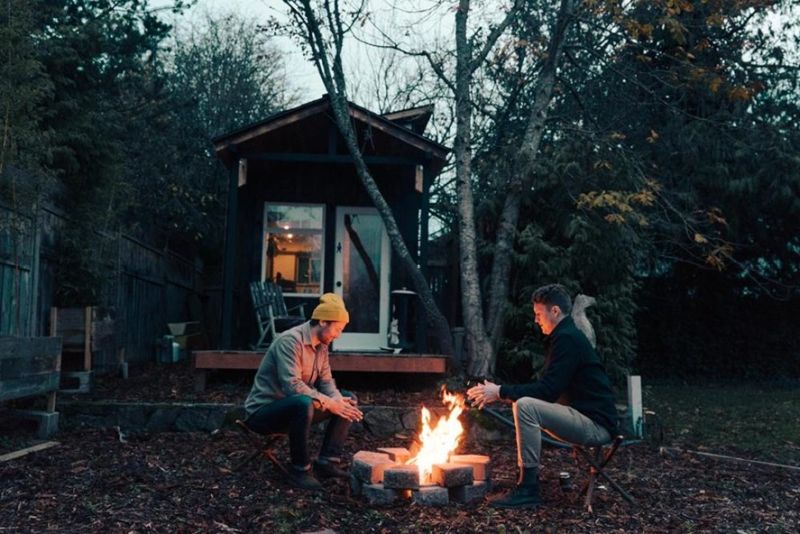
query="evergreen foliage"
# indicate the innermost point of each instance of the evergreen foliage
(669, 162)
(94, 95)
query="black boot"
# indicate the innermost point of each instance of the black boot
(302, 478)
(525, 495)
(325, 468)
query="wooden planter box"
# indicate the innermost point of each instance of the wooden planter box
(89, 340)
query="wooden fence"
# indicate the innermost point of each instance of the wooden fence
(148, 288)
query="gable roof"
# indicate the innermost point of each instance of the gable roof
(223, 144)
(415, 119)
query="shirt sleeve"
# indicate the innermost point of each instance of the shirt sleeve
(557, 375)
(326, 383)
(288, 356)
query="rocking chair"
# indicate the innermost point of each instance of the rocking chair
(272, 316)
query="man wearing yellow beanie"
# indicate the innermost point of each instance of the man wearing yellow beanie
(294, 388)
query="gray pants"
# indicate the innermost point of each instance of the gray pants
(531, 415)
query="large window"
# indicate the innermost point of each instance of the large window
(293, 247)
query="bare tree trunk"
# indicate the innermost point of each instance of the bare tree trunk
(332, 75)
(522, 179)
(479, 349)
(439, 323)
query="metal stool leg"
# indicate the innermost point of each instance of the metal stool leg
(263, 448)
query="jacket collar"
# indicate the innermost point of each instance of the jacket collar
(565, 323)
(307, 337)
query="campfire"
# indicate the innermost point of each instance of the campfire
(434, 474)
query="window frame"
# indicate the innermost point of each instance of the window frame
(265, 229)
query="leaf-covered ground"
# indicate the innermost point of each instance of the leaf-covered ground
(178, 482)
(181, 482)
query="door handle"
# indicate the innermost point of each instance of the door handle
(339, 247)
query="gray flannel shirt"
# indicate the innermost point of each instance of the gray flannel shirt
(295, 364)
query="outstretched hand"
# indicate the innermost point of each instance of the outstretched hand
(484, 394)
(346, 409)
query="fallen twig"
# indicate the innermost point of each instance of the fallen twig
(731, 458)
(27, 450)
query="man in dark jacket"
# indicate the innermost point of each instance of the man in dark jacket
(572, 400)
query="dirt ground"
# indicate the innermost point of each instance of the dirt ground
(93, 482)
(182, 482)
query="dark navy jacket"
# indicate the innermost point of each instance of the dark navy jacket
(573, 375)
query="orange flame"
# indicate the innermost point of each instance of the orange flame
(439, 441)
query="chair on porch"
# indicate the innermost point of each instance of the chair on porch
(272, 315)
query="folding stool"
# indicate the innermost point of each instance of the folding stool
(263, 445)
(597, 457)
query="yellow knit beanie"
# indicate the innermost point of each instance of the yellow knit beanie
(331, 308)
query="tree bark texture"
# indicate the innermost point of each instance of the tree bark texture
(478, 346)
(522, 179)
(332, 75)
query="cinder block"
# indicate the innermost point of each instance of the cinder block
(377, 494)
(356, 486)
(451, 475)
(470, 493)
(81, 380)
(481, 465)
(397, 454)
(368, 466)
(47, 422)
(431, 496)
(401, 477)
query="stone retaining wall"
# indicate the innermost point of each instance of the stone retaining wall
(379, 421)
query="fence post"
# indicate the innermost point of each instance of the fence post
(635, 404)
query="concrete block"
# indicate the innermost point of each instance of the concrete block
(470, 493)
(396, 454)
(451, 475)
(481, 465)
(377, 494)
(401, 477)
(76, 382)
(431, 496)
(356, 486)
(47, 422)
(369, 466)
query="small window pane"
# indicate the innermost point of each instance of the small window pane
(294, 217)
(293, 248)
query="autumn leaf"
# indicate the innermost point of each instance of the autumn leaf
(653, 137)
(700, 238)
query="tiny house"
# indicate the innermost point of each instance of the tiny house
(299, 216)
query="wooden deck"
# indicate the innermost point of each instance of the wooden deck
(364, 362)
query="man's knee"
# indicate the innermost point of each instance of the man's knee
(528, 408)
(303, 405)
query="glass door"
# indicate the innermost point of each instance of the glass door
(361, 277)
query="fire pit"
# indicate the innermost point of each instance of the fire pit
(433, 474)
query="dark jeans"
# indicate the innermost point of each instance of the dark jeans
(295, 415)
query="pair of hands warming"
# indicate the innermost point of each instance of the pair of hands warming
(346, 408)
(484, 394)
